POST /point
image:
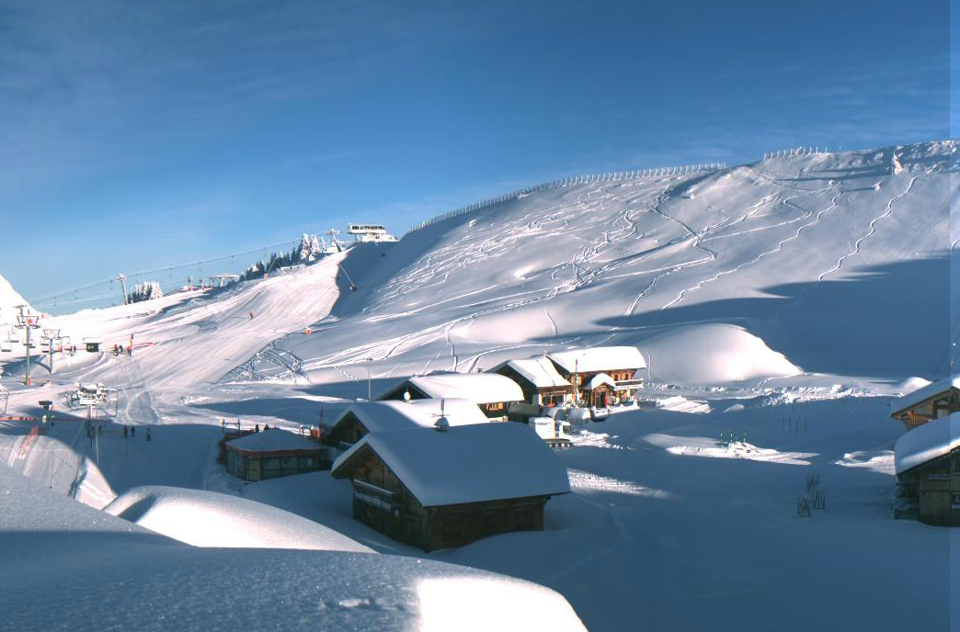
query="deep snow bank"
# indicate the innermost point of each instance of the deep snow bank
(69, 567)
(211, 519)
(713, 354)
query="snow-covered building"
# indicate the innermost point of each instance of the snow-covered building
(601, 375)
(539, 380)
(933, 401)
(273, 453)
(443, 488)
(493, 393)
(366, 417)
(927, 462)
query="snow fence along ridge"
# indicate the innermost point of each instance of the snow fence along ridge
(563, 182)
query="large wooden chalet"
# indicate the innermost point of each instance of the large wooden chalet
(933, 401)
(539, 380)
(493, 393)
(439, 488)
(601, 375)
(928, 472)
(361, 419)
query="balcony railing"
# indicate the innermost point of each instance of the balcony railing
(374, 495)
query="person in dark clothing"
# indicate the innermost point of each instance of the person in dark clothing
(148, 434)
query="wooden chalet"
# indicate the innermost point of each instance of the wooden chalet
(439, 488)
(493, 393)
(934, 401)
(538, 379)
(274, 453)
(361, 419)
(601, 376)
(928, 472)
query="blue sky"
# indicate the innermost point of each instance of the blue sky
(136, 135)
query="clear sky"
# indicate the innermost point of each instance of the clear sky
(141, 134)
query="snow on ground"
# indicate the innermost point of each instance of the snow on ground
(803, 258)
(69, 567)
(210, 519)
(9, 300)
(729, 282)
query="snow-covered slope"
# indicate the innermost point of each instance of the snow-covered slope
(778, 248)
(9, 299)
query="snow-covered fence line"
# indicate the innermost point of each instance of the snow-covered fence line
(795, 151)
(563, 182)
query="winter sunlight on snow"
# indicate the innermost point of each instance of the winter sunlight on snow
(460, 316)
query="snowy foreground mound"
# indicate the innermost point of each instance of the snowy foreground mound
(209, 519)
(69, 567)
(705, 354)
(812, 258)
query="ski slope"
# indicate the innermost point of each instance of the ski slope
(776, 248)
(778, 302)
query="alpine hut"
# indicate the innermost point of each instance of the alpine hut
(493, 393)
(445, 487)
(927, 462)
(600, 375)
(538, 379)
(365, 417)
(273, 453)
(933, 401)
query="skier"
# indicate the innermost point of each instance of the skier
(148, 434)
(256, 428)
(133, 431)
(251, 315)
(125, 431)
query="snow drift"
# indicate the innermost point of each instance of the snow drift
(714, 354)
(210, 519)
(68, 567)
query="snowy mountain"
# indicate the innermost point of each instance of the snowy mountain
(802, 262)
(778, 304)
(9, 299)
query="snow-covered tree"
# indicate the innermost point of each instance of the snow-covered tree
(146, 291)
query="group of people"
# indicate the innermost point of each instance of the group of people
(131, 431)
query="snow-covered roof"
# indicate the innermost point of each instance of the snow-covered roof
(539, 371)
(480, 388)
(599, 359)
(418, 413)
(927, 442)
(273, 440)
(600, 378)
(467, 463)
(913, 398)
